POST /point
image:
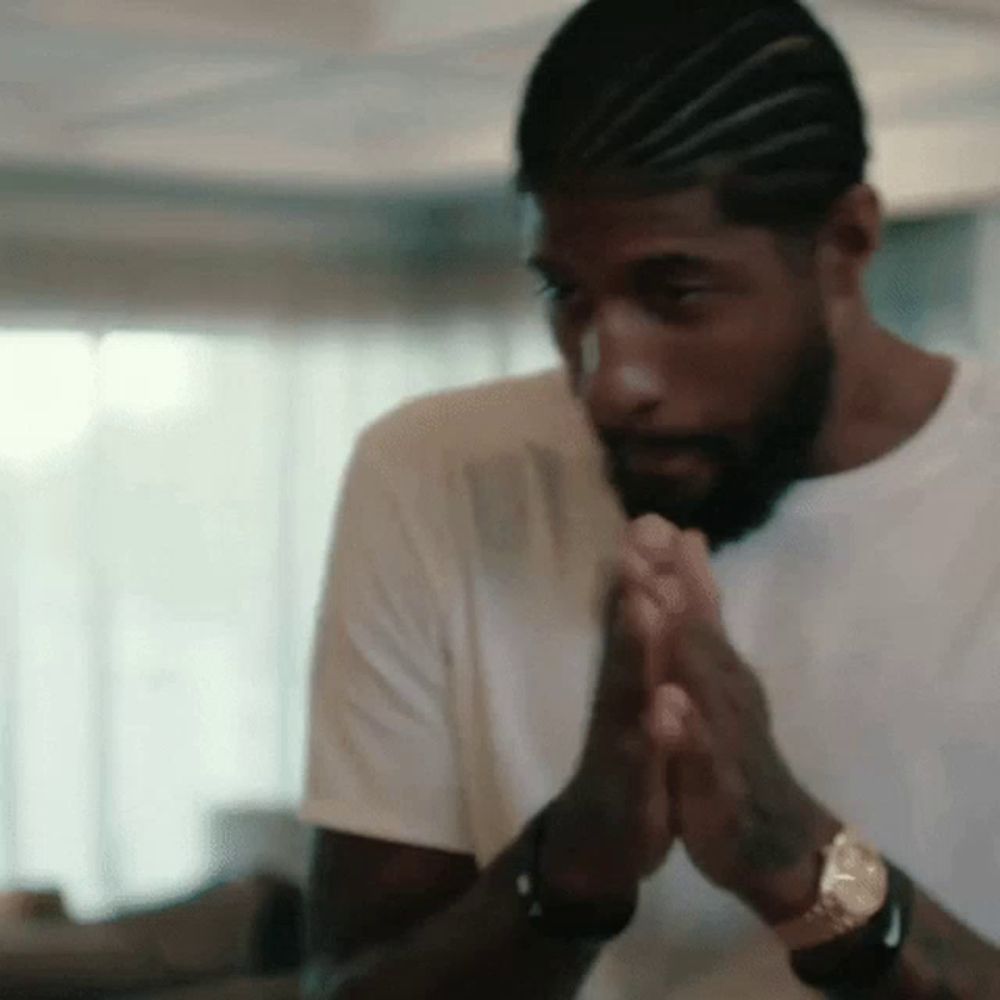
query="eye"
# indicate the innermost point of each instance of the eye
(555, 293)
(679, 297)
(686, 294)
(673, 286)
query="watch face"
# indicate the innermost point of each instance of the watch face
(857, 878)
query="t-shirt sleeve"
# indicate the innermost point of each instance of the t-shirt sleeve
(381, 760)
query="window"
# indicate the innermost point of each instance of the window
(167, 499)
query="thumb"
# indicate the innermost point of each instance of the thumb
(680, 729)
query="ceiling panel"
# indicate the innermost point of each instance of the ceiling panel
(229, 23)
(391, 93)
(330, 25)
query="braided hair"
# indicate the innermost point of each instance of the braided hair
(750, 97)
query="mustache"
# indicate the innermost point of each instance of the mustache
(619, 444)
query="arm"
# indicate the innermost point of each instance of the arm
(390, 921)
(941, 960)
(772, 865)
(755, 832)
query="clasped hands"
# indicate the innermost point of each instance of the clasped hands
(680, 749)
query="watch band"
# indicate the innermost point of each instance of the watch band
(862, 958)
(559, 917)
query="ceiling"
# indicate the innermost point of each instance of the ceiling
(348, 95)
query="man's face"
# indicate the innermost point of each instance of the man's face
(698, 348)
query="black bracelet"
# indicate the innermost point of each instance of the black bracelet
(863, 958)
(562, 918)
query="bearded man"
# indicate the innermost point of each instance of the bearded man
(675, 674)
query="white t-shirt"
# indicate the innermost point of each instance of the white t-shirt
(460, 631)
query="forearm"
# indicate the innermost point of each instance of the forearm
(483, 944)
(941, 960)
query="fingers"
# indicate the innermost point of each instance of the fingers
(662, 574)
(639, 604)
(649, 562)
(655, 539)
(695, 559)
(671, 565)
(686, 744)
(680, 725)
(692, 771)
(634, 649)
(640, 617)
(668, 713)
(621, 683)
(685, 739)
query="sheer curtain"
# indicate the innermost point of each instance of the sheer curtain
(166, 497)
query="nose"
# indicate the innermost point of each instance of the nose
(621, 377)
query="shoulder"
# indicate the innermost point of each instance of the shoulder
(478, 424)
(480, 469)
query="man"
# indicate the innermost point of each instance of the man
(634, 691)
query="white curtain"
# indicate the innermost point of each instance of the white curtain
(166, 498)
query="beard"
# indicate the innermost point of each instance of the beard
(749, 481)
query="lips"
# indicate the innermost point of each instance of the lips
(669, 463)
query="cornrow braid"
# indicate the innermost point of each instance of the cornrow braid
(750, 96)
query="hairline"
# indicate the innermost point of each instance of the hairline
(795, 240)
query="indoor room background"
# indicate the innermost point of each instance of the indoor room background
(229, 239)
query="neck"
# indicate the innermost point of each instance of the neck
(885, 390)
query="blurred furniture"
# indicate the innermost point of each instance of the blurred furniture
(32, 905)
(233, 940)
(258, 988)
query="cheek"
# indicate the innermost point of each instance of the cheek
(738, 363)
(770, 332)
(733, 358)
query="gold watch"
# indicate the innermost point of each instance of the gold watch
(853, 889)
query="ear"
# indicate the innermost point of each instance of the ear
(850, 237)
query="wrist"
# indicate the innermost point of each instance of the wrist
(866, 956)
(575, 864)
(788, 892)
(571, 906)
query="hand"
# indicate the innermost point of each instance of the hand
(745, 821)
(610, 828)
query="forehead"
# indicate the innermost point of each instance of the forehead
(576, 229)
